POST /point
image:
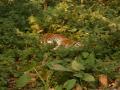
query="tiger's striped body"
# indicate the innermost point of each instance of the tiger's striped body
(59, 40)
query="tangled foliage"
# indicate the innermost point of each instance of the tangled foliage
(95, 23)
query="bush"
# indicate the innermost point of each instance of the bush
(95, 23)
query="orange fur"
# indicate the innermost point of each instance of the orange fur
(58, 39)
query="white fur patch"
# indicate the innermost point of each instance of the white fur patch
(49, 42)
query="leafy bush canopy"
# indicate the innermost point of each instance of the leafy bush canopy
(95, 23)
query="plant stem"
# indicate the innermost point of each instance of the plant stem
(43, 81)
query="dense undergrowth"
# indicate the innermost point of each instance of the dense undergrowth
(27, 64)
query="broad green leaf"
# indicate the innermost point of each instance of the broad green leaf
(56, 65)
(58, 87)
(91, 59)
(79, 75)
(23, 80)
(77, 66)
(85, 54)
(59, 67)
(69, 84)
(87, 77)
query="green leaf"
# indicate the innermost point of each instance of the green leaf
(58, 87)
(23, 80)
(77, 66)
(87, 77)
(85, 54)
(79, 75)
(29, 66)
(58, 67)
(73, 30)
(91, 60)
(69, 84)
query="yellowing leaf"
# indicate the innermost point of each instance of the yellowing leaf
(59, 67)
(79, 75)
(31, 19)
(77, 66)
(87, 77)
(69, 84)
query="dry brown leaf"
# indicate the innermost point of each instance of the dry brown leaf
(77, 87)
(33, 81)
(115, 84)
(103, 80)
